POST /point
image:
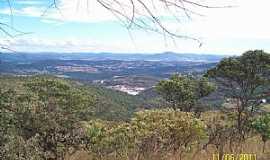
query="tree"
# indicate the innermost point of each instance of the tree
(245, 79)
(56, 93)
(183, 92)
(262, 126)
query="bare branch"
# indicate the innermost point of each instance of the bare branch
(146, 16)
(8, 29)
(8, 49)
(139, 14)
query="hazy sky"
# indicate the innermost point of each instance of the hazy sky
(78, 28)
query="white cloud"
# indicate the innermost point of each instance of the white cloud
(150, 43)
(25, 11)
(80, 11)
(67, 10)
(55, 45)
(249, 19)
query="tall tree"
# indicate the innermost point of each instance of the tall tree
(182, 92)
(244, 79)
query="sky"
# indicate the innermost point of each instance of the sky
(86, 26)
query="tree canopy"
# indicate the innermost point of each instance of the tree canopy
(182, 92)
(245, 80)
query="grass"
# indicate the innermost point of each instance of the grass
(251, 146)
(266, 107)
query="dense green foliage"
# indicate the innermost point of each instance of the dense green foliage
(109, 104)
(43, 121)
(110, 138)
(246, 77)
(41, 117)
(162, 132)
(167, 132)
(182, 92)
(113, 105)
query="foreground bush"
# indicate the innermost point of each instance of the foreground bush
(262, 126)
(43, 122)
(149, 134)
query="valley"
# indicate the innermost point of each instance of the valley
(132, 75)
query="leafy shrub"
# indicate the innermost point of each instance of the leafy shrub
(160, 132)
(43, 122)
(262, 126)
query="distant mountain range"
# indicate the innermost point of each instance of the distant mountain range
(166, 56)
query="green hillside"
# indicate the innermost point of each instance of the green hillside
(109, 104)
(114, 105)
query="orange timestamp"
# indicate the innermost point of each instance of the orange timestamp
(235, 157)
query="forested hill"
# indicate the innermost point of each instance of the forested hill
(109, 104)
